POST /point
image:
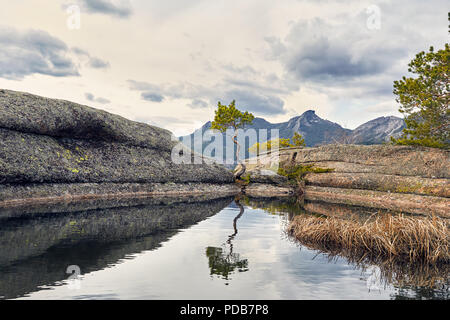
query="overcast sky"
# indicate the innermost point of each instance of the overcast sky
(168, 62)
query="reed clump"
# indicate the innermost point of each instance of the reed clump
(387, 237)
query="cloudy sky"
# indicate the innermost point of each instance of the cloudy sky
(168, 62)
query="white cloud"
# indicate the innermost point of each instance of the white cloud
(118, 8)
(186, 55)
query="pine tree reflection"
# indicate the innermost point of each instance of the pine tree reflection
(224, 262)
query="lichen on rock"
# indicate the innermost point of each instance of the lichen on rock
(53, 141)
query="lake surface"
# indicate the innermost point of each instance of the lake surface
(165, 249)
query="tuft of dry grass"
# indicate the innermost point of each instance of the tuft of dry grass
(386, 237)
(409, 251)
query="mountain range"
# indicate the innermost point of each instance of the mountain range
(317, 131)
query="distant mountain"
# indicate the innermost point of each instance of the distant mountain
(314, 129)
(377, 131)
(317, 131)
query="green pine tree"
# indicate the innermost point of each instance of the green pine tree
(297, 140)
(231, 117)
(424, 100)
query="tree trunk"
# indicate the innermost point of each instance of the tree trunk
(231, 237)
(238, 174)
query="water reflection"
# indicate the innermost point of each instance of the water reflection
(223, 262)
(411, 280)
(283, 206)
(164, 248)
(37, 246)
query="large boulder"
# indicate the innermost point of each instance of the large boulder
(381, 159)
(28, 113)
(400, 178)
(55, 141)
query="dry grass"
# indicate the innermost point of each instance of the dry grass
(409, 251)
(387, 237)
(397, 273)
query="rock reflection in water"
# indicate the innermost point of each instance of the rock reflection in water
(37, 247)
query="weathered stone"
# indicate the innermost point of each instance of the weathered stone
(32, 158)
(267, 177)
(377, 199)
(381, 182)
(30, 113)
(48, 141)
(19, 195)
(267, 190)
(383, 159)
(380, 176)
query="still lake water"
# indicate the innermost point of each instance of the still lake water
(164, 249)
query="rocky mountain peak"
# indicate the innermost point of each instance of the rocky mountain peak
(306, 119)
(378, 130)
(318, 131)
(309, 114)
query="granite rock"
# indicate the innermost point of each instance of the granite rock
(46, 140)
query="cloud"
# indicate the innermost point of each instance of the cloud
(198, 104)
(153, 97)
(252, 90)
(256, 102)
(89, 96)
(320, 51)
(79, 51)
(33, 52)
(98, 63)
(158, 120)
(121, 9)
(178, 125)
(342, 58)
(92, 62)
(29, 52)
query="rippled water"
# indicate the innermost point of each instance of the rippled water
(175, 250)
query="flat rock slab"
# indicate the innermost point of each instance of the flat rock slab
(381, 182)
(267, 177)
(257, 190)
(383, 159)
(24, 195)
(399, 178)
(377, 199)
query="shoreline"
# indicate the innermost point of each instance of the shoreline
(105, 191)
(401, 202)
